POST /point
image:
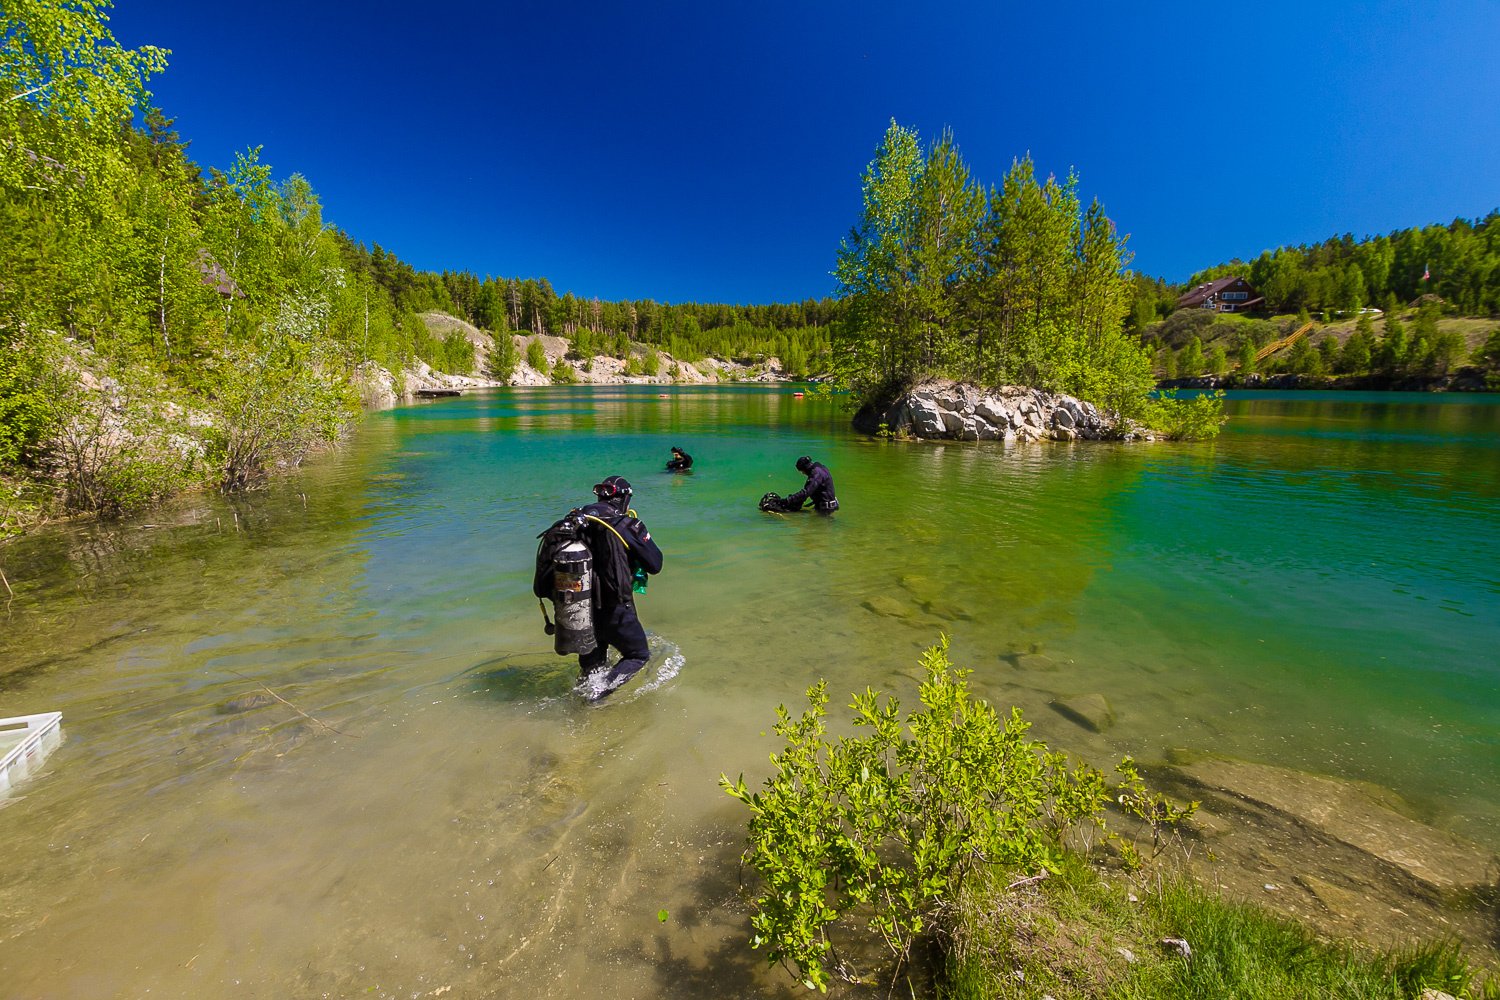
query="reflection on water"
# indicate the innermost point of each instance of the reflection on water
(317, 742)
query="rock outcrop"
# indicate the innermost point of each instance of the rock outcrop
(1013, 414)
(1362, 818)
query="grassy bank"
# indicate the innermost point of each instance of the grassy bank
(1084, 934)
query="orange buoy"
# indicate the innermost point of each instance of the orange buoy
(797, 395)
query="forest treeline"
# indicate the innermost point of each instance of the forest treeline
(1392, 307)
(795, 333)
(1458, 262)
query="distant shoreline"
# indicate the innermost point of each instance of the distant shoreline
(1466, 380)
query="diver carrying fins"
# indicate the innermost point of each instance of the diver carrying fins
(591, 564)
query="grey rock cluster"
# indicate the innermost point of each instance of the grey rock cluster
(1012, 414)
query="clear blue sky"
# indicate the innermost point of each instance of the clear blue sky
(712, 152)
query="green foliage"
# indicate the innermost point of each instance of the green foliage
(1247, 357)
(1358, 350)
(1342, 274)
(887, 826)
(1050, 940)
(536, 356)
(115, 450)
(651, 364)
(1161, 816)
(276, 400)
(31, 383)
(1185, 418)
(1487, 355)
(1190, 361)
(503, 358)
(67, 84)
(563, 373)
(1017, 285)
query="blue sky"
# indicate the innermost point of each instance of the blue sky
(712, 152)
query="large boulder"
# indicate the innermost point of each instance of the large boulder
(958, 412)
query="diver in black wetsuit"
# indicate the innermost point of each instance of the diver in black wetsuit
(623, 552)
(680, 461)
(819, 488)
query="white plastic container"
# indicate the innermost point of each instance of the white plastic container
(26, 740)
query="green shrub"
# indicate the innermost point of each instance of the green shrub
(1487, 356)
(31, 381)
(536, 355)
(1190, 418)
(890, 824)
(115, 452)
(503, 358)
(563, 373)
(276, 400)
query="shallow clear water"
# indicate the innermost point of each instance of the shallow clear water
(1318, 588)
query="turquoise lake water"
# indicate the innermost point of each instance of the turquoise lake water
(1319, 588)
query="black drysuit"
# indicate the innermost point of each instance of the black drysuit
(819, 489)
(680, 462)
(615, 558)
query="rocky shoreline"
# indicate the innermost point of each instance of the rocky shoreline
(378, 386)
(955, 411)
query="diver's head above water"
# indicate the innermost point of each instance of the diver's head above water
(615, 491)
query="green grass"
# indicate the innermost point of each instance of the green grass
(1068, 937)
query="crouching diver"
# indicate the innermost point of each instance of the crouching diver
(680, 461)
(818, 489)
(592, 563)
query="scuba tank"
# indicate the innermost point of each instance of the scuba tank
(573, 592)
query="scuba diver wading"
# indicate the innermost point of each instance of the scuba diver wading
(818, 489)
(591, 564)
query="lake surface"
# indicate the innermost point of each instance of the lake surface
(430, 806)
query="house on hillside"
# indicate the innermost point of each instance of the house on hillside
(1224, 295)
(214, 276)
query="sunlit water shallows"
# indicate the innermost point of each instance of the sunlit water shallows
(423, 803)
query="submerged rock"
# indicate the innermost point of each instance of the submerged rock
(1032, 661)
(1440, 863)
(887, 606)
(1091, 711)
(245, 703)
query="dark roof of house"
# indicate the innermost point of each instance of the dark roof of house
(1202, 292)
(215, 277)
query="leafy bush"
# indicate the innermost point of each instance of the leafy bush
(890, 824)
(276, 400)
(1190, 418)
(30, 382)
(1488, 354)
(536, 355)
(563, 373)
(503, 359)
(115, 452)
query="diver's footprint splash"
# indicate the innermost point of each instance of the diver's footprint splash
(665, 664)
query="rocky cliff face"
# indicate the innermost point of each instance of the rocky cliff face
(959, 412)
